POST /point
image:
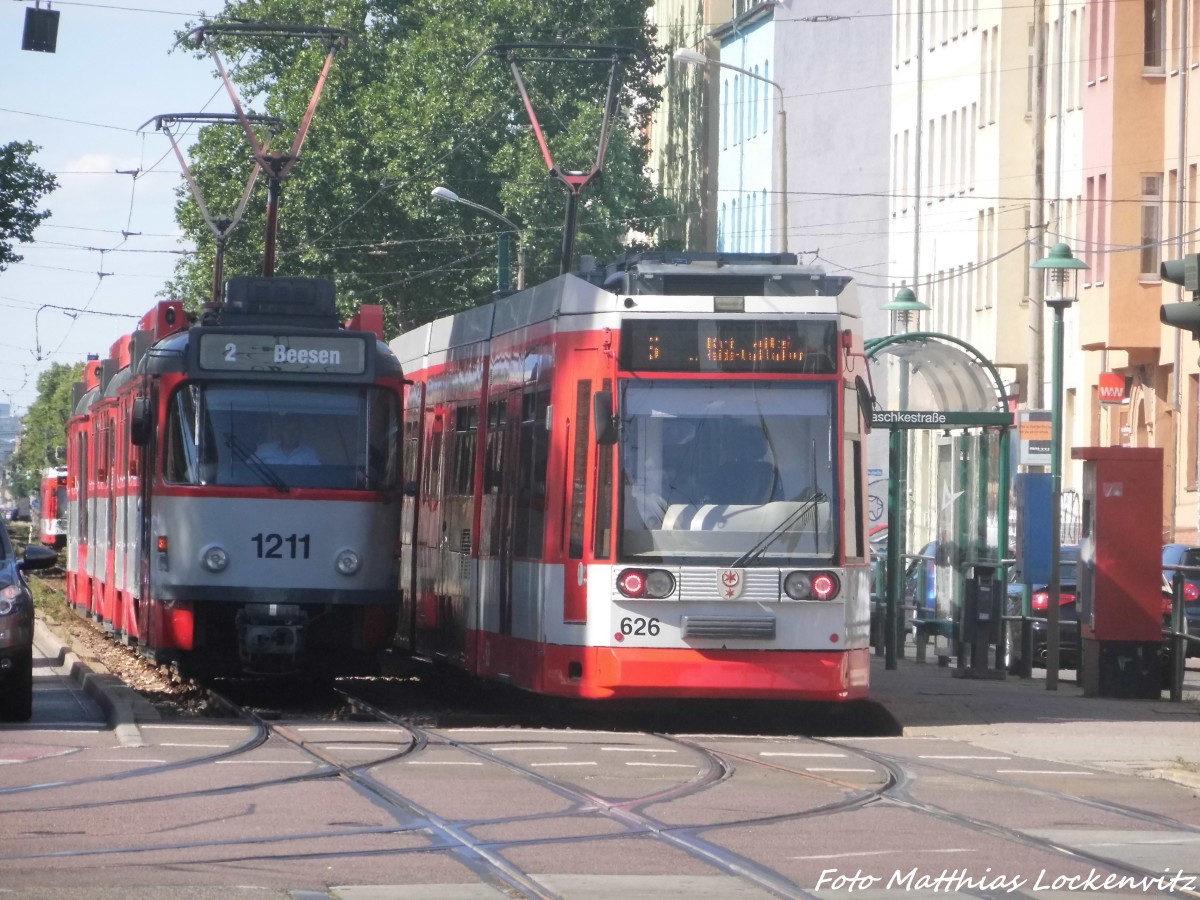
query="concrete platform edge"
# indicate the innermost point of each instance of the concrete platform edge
(122, 705)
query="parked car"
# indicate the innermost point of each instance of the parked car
(1068, 615)
(16, 627)
(920, 585)
(1183, 555)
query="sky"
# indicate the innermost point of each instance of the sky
(113, 70)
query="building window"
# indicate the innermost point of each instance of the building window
(1153, 37)
(1151, 224)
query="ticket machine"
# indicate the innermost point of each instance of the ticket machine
(1120, 571)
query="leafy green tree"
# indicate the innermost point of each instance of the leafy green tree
(22, 186)
(404, 112)
(44, 429)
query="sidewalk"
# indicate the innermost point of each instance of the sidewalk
(1153, 738)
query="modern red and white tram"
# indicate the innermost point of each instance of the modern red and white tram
(642, 481)
(232, 484)
(52, 508)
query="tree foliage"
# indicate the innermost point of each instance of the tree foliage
(44, 429)
(22, 186)
(402, 113)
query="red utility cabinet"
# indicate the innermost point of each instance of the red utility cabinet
(1120, 570)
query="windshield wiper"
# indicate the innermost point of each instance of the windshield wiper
(265, 473)
(809, 508)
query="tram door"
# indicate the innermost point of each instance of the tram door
(406, 626)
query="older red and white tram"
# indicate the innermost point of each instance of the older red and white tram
(642, 481)
(52, 508)
(232, 483)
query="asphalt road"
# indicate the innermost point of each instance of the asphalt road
(387, 808)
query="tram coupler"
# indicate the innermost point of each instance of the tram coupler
(271, 636)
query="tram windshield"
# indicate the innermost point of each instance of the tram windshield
(339, 437)
(731, 472)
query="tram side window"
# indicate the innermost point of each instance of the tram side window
(531, 482)
(583, 423)
(182, 464)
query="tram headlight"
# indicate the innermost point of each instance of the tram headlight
(811, 585)
(652, 584)
(214, 558)
(347, 562)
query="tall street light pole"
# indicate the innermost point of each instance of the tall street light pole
(693, 58)
(1060, 267)
(502, 282)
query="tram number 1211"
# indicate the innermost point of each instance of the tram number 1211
(277, 546)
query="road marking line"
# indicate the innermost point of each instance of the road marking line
(372, 747)
(637, 750)
(264, 762)
(543, 765)
(316, 728)
(834, 769)
(1039, 772)
(195, 727)
(208, 746)
(1001, 758)
(884, 853)
(434, 762)
(122, 760)
(663, 765)
(822, 755)
(520, 748)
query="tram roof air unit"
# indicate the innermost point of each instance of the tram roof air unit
(690, 274)
(300, 302)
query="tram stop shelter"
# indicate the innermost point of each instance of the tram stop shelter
(948, 421)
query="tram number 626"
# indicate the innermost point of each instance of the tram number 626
(278, 546)
(637, 625)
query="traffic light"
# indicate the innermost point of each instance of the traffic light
(1186, 273)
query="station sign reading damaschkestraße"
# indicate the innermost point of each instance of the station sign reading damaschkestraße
(934, 418)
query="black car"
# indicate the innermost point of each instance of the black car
(1068, 616)
(1183, 555)
(16, 627)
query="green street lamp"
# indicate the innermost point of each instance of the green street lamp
(904, 305)
(502, 281)
(1060, 267)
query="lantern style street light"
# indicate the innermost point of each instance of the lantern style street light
(691, 58)
(904, 305)
(1060, 267)
(502, 275)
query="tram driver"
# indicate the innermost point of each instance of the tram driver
(290, 448)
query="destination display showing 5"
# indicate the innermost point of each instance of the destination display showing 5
(334, 355)
(729, 345)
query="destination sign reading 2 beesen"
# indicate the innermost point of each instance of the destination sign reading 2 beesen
(729, 345)
(342, 355)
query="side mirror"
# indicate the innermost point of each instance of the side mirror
(602, 415)
(866, 402)
(38, 558)
(141, 421)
